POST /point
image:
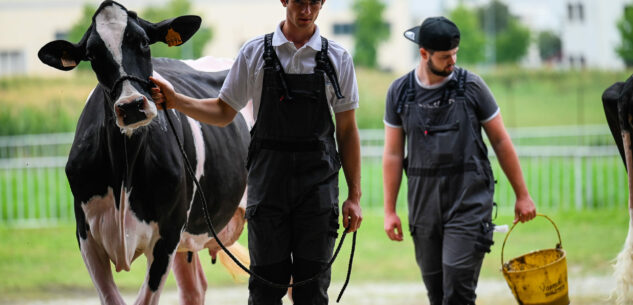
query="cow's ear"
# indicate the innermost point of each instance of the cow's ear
(61, 54)
(173, 32)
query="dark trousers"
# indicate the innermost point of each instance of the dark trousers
(450, 263)
(297, 242)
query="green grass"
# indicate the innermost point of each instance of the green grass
(46, 262)
(526, 97)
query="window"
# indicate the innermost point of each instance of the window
(12, 63)
(575, 11)
(61, 35)
(580, 11)
(344, 28)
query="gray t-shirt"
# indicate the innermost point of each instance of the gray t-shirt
(478, 97)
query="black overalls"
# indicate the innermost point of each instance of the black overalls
(293, 166)
(450, 190)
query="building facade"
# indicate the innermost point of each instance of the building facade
(587, 27)
(590, 35)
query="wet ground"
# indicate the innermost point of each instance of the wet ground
(585, 291)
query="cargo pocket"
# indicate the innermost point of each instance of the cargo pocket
(334, 222)
(484, 239)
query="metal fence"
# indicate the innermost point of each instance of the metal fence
(574, 167)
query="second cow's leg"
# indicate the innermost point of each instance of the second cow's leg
(192, 283)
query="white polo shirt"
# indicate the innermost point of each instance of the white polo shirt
(245, 79)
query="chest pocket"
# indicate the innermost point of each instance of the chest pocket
(440, 138)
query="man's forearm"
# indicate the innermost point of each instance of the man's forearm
(212, 111)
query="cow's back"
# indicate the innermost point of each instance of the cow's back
(225, 148)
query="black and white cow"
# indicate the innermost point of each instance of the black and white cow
(618, 107)
(132, 194)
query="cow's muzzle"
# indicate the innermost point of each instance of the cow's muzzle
(132, 112)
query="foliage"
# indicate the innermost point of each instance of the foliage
(511, 39)
(370, 30)
(78, 30)
(191, 49)
(471, 45)
(512, 43)
(549, 45)
(625, 27)
(194, 47)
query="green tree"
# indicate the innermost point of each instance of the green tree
(370, 30)
(193, 47)
(471, 44)
(549, 45)
(625, 27)
(511, 39)
(78, 30)
(512, 43)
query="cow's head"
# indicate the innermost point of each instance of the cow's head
(117, 46)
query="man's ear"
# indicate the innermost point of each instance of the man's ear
(424, 53)
(173, 32)
(61, 54)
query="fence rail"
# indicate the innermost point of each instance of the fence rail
(572, 167)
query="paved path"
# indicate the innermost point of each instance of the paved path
(586, 291)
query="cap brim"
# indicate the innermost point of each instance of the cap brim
(412, 34)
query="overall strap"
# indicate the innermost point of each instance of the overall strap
(461, 82)
(271, 61)
(407, 93)
(324, 65)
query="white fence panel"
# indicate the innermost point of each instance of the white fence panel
(573, 167)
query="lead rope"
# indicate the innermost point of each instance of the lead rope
(207, 219)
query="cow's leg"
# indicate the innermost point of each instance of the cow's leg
(624, 263)
(159, 261)
(192, 283)
(98, 265)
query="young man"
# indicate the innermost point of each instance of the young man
(439, 111)
(295, 79)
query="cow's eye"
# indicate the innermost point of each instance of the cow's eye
(89, 56)
(144, 44)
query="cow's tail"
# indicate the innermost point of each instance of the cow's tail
(623, 268)
(623, 272)
(241, 253)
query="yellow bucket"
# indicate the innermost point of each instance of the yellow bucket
(539, 277)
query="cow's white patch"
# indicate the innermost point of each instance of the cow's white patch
(121, 234)
(198, 144)
(209, 64)
(110, 24)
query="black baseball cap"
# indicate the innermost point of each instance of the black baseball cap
(435, 33)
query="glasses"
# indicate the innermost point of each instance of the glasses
(305, 2)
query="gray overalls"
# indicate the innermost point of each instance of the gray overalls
(293, 167)
(450, 190)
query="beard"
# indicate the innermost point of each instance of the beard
(436, 71)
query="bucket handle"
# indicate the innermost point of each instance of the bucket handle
(558, 246)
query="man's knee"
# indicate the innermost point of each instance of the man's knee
(314, 292)
(262, 294)
(460, 285)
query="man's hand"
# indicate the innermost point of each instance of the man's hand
(524, 209)
(352, 215)
(393, 226)
(163, 94)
